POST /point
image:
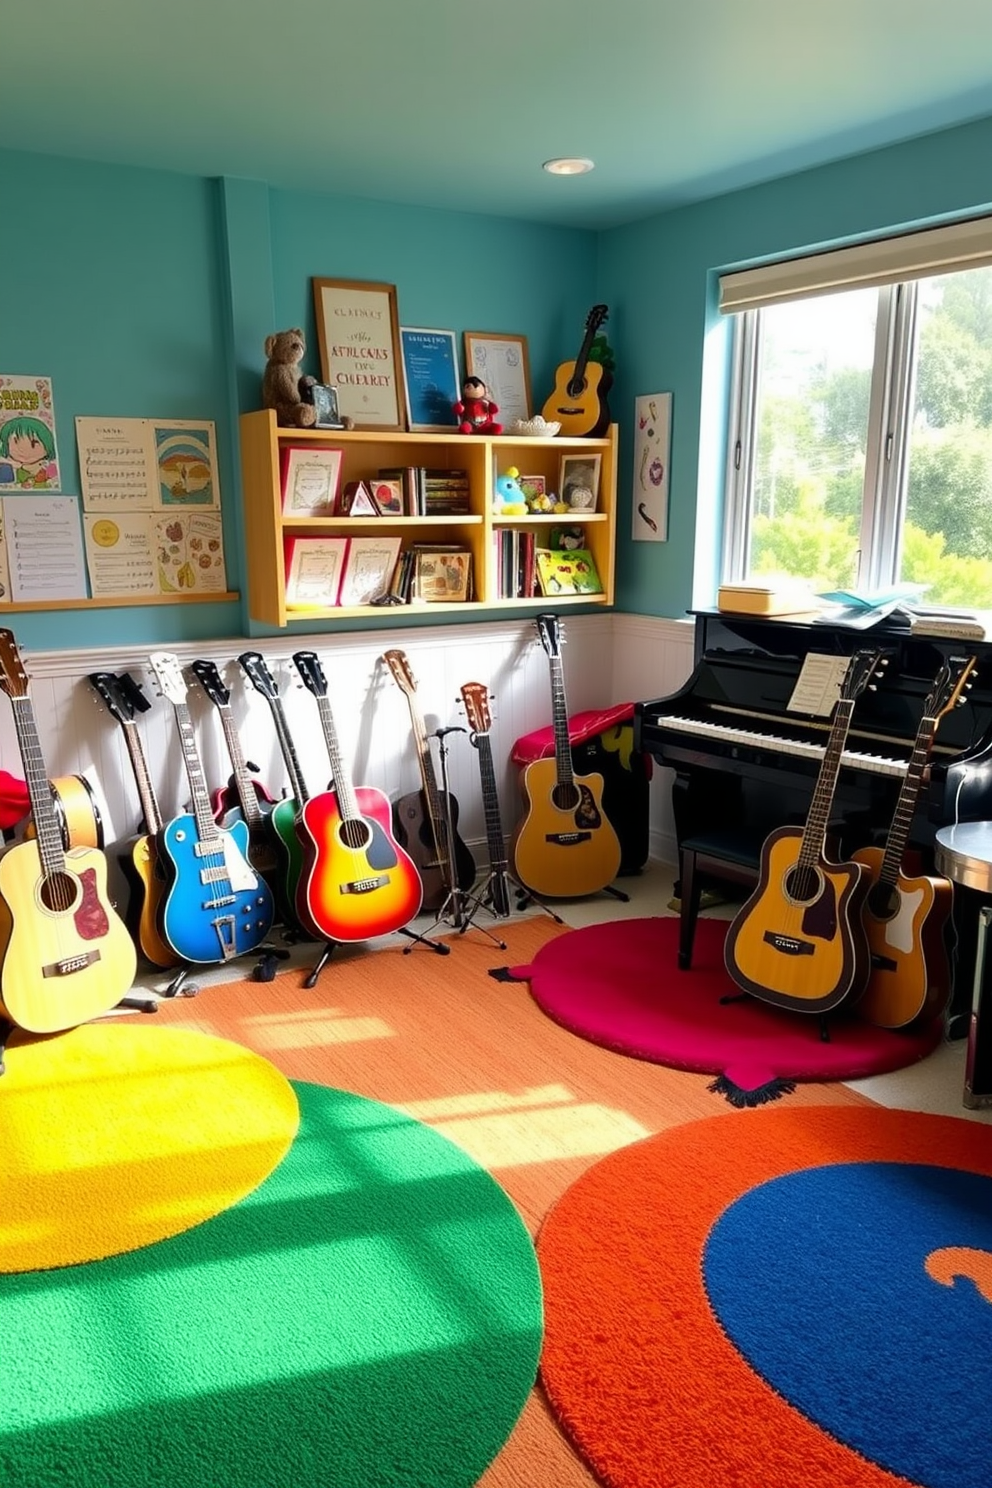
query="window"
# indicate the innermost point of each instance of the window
(861, 434)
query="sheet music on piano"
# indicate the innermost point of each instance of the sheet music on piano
(818, 684)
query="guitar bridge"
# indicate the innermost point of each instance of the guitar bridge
(364, 885)
(567, 839)
(788, 944)
(69, 964)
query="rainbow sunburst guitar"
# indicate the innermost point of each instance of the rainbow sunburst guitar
(69, 957)
(799, 941)
(578, 402)
(357, 882)
(905, 918)
(566, 845)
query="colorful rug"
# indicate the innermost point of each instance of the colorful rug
(118, 1134)
(780, 1297)
(618, 984)
(369, 1316)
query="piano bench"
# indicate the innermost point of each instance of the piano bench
(729, 856)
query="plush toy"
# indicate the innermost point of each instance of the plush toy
(283, 384)
(475, 409)
(510, 499)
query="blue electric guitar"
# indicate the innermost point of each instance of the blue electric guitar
(216, 905)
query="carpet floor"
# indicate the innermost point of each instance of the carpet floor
(788, 1297)
(619, 984)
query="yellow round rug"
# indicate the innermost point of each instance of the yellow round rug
(116, 1135)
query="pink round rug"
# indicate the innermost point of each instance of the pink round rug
(618, 984)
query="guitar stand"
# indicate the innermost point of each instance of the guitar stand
(178, 988)
(415, 939)
(459, 907)
(139, 1004)
(265, 966)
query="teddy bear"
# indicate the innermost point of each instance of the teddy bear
(283, 384)
(475, 409)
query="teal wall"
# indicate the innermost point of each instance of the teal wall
(149, 294)
(661, 275)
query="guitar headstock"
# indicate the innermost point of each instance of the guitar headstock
(475, 696)
(549, 631)
(598, 315)
(13, 677)
(307, 663)
(864, 666)
(130, 690)
(169, 676)
(107, 685)
(950, 686)
(402, 673)
(253, 665)
(209, 678)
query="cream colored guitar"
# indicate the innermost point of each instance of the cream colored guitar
(68, 955)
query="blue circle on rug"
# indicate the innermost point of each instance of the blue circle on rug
(862, 1293)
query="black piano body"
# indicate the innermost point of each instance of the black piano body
(743, 760)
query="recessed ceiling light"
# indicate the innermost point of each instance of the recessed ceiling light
(569, 167)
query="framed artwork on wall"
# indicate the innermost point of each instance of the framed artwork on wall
(359, 337)
(652, 439)
(502, 363)
(430, 376)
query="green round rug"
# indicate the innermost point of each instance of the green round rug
(369, 1317)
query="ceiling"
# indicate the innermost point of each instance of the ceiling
(439, 105)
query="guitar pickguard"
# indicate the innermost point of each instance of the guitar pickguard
(90, 917)
(899, 933)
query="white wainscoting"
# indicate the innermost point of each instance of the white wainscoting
(606, 659)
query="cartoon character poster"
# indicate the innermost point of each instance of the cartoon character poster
(28, 456)
(652, 438)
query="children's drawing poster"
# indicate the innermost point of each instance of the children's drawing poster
(147, 464)
(28, 456)
(652, 442)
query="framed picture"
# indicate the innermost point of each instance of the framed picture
(578, 481)
(355, 500)
(313, 571)
(360, 355)
(442, 576)
(387, 493)
(652, 440)
(536, 494)
(325, 402)
(368, 569)
(310, 479)
(502, 363)
(430, 376)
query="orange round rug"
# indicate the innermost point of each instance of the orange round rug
(115, 1135)
(778, 1297)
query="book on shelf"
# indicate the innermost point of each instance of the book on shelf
(516, 576)
(313, 571)
(368, 569)
(966, 625)
(567, 571)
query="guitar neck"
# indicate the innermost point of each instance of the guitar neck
(290, 758)
(343, 788)
(142, 779)
(206, 827)
(47, 830)
(559, 714)
(495, 840)
(428, 778)
(902, 817)
(250, 809)
(814, 838)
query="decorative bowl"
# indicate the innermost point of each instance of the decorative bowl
(535, 428)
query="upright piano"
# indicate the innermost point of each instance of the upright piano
(742, 758)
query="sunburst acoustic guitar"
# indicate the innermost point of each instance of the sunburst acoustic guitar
(68, 956)
(566, 845)
(905, 917)
(799, 941)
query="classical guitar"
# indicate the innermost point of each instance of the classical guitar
(283, 817)
(216, 905)
(578, 402)
(475, 697)
(139, 859)
(244, 798)
(420, 819)
(799, 941)
(905, 917)
(68, 956)
(566, 845)
(357, 881)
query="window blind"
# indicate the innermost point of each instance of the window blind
(937, 250)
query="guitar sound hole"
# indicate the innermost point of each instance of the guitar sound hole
(802, 885)
(883, 901)
(58, 891)
(566, 796)
(355, 834)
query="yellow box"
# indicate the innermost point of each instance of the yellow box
(763, 599)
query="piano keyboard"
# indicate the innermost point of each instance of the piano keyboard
(853, 759)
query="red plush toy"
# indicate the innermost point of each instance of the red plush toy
(475, 409)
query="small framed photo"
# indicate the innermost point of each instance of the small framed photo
(442, 576)
(310, 479)
(325, 402)
(535, 489)
(578, 482)
(387, 493)
(313, 571)
(430, 375)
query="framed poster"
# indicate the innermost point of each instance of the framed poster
(313, 571)
(578, 481)
(311, 475)
(359, 337)
(652, 437)
(502, 363)
(430, 376)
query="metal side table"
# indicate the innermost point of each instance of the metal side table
(964, 855)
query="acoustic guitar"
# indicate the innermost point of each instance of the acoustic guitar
(243, 798)
(475, 696)
(420, 819)
(566, 845)
(68, 957)
(799, 941)
(578, 401)
(139, 859)
(357, 881)
(216, 905)
(76, 811)
(905, 917)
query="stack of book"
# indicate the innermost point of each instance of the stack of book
(429, 493)
(516, 572)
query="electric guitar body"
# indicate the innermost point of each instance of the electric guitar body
(566, 845)
(799, 942)
(578, 401)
